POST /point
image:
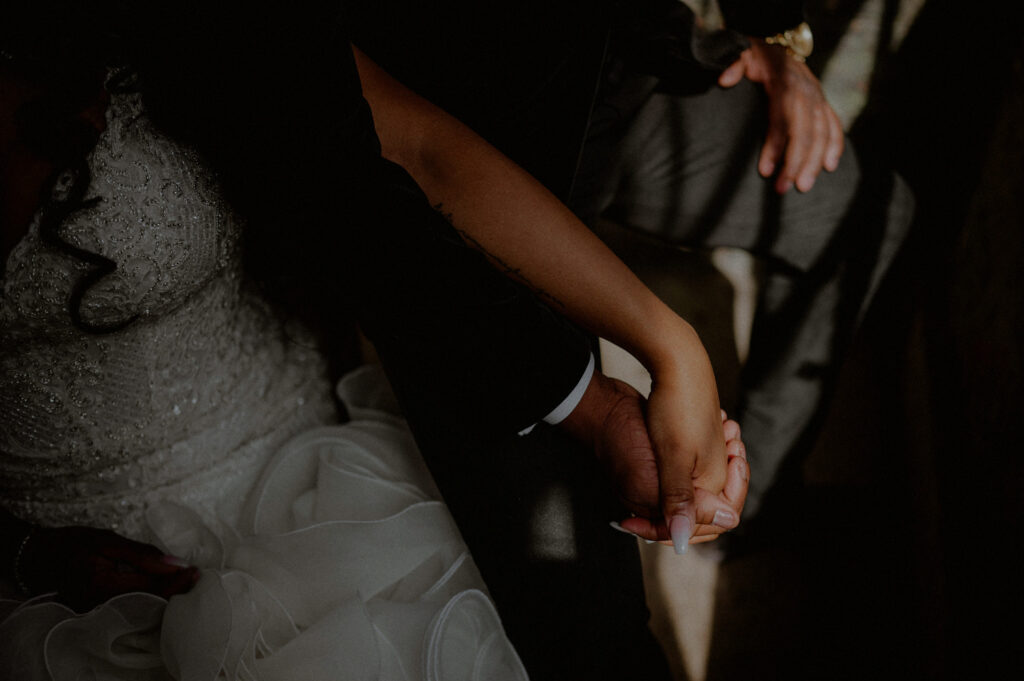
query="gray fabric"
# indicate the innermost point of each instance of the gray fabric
(684, 168)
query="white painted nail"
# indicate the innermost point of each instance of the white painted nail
(681, 529)
(724, 519)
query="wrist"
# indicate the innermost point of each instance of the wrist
(671, 350)
(598, 401)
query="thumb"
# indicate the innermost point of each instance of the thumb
(733, 74)
(676, 451)
(677, 503)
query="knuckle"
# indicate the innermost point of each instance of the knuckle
(677, 495)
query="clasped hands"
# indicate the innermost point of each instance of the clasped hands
(678, 463)
(681, 479)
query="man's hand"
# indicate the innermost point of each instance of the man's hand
(87, 566)
(724, 508)
(611, 418)
(804, 133)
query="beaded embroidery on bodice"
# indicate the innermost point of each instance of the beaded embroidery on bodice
(183, 403)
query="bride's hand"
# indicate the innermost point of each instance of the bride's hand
(716, 513)
(611, 418)
(686, 430)
(86, 566)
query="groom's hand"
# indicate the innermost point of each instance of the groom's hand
(610, 418)
(723, 508)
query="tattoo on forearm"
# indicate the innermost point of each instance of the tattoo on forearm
(501, 265)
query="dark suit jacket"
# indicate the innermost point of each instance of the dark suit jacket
(525, 74)
(334, 229)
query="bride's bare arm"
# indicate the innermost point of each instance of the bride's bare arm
(531, 235)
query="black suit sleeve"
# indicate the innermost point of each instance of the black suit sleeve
(762, 17)
(471, 354)
(332, 229)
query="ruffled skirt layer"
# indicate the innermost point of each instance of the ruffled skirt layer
(346, 566)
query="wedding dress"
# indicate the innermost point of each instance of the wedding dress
(204, 426)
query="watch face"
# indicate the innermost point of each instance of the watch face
(798, 41)
(801, 40)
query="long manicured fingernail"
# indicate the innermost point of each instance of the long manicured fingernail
(681, 529)
(175, 561)
(725, 519)
(615, 525)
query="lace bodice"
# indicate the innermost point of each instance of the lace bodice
(183, 403)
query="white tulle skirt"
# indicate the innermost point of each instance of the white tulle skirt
(346, 566)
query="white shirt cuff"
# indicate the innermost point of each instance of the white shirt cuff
(572, 400)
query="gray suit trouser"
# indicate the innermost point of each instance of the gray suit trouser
(684, 169)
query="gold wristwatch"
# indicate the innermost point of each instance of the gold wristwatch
(799, 41)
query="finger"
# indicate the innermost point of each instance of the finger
(720, 513)
(122, 579)
(734, 73)
(814, 160)
(677, 450)
(704, 533)
(675, 474)
(144, 558)
(680, 527)
(716, 511)
(120, 548)
(734, 448)
(836, 141)
(705, 538)
(180, 583)
(738, 480)
(110, 583)
(731, 430)
(798, 145)
(714, 515)
(774, 146)
(163, 564)
(645, 528)
(775, 143)
(655, 532)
